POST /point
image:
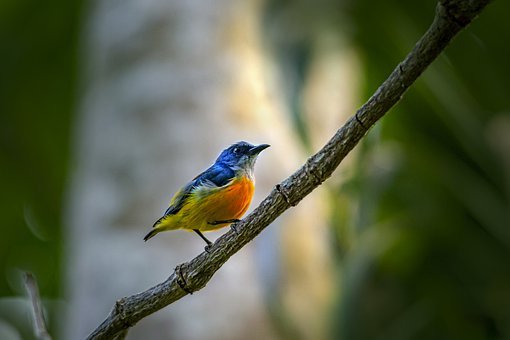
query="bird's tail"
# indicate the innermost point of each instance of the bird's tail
(155, 230)
(151, 234)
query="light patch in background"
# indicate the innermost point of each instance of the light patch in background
(7, 331)
(497, 133)
(332, 89)
(33, 225)
(14, 316)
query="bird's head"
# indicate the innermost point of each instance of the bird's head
(241, 155)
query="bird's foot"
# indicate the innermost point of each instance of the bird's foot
(209, 243)
(234, 228)
(207, 248)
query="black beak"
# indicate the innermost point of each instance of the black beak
(257, 149)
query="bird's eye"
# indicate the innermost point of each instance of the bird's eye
(236, 150)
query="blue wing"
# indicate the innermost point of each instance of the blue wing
(217, 175)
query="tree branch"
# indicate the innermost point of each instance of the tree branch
(40, 330)
(451, 16)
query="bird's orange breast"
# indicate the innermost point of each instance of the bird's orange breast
(238, 197)
(226, 203)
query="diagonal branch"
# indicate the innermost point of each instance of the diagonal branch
(451, 17)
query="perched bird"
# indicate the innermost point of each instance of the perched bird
(217, 197)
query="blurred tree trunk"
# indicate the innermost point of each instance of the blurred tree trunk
(167, 85)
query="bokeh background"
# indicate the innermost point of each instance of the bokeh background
(107, 107)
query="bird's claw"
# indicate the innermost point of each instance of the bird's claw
(207, 248)
(234, 228)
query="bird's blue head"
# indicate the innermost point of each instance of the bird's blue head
(241, 155)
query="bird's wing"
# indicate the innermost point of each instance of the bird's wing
(179, 198)
(214, 177)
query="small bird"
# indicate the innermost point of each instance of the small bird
(217, 197)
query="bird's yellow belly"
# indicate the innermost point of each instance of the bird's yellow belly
(226, 203)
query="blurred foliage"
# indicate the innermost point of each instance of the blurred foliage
(423, 228)
(38, 81)
(430, 203)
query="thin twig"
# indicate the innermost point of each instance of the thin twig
(451, 16)
(40, 330)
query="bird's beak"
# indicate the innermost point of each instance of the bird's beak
(257, 149)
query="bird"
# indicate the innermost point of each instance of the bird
(217, 197)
